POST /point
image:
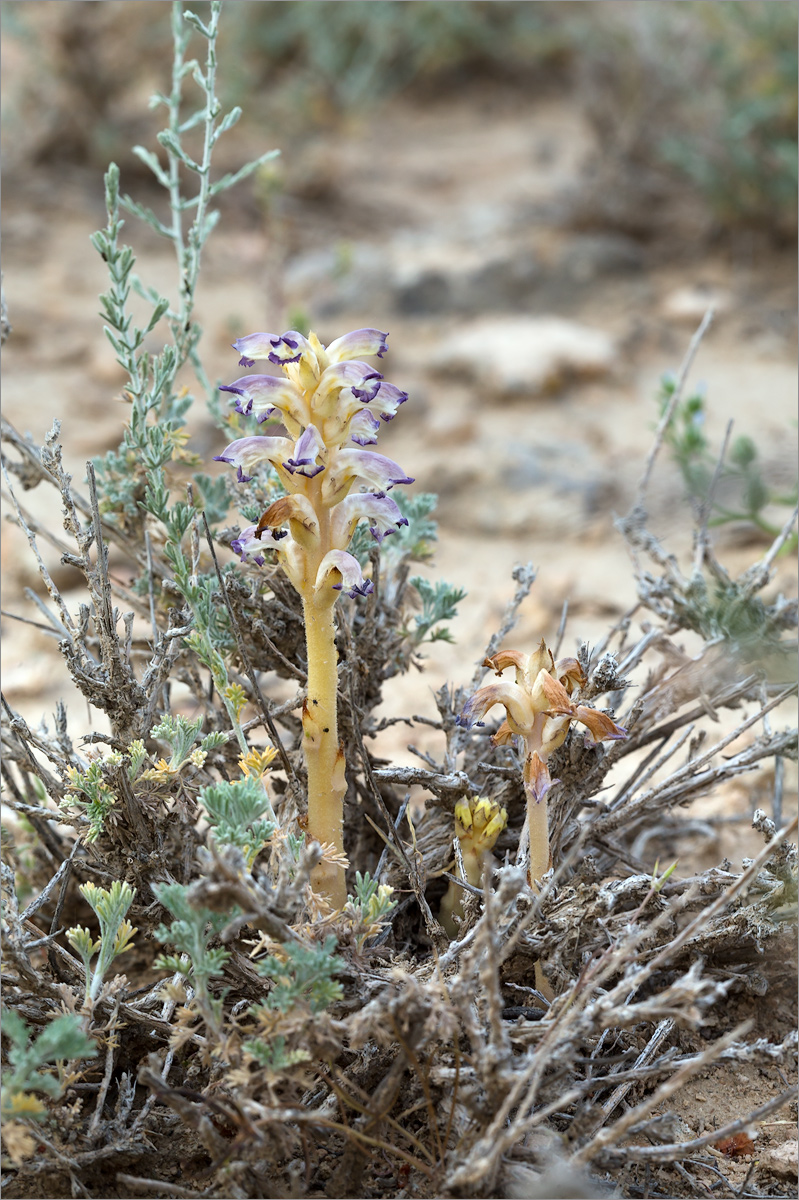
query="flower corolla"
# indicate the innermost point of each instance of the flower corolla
(331, 404)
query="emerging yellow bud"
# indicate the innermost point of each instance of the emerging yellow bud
(255, 762)
(478, 823)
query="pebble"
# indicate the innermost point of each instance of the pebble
(783, 1160)
(689, 304)
(525, 355)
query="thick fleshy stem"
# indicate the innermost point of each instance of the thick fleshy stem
(538, 829)
(324, 759)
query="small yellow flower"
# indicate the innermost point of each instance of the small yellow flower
(256, 762)
(236, 697)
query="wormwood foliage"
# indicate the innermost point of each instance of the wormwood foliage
(63, 1040)
(240, 814)
(110, 906)
(734, 488)
(511, 989)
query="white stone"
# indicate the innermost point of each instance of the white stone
(689, 304)
(525, 355)
(782, 1160)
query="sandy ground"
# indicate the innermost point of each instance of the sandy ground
(530, 476)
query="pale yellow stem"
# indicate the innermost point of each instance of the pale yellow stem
(538, 826)
(324, 759)
(452, 904)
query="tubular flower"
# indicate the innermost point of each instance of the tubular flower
(331, 404)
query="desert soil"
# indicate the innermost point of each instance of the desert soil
(427, 222)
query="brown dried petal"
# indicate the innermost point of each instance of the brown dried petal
(599, 724)
(503, 736)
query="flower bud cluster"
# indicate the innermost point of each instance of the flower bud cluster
(331, 405)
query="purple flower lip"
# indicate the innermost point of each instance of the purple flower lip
(237, 548)
(291, 343)
(241, 477)
(365, 395)
(366, 589)
(240, 406)
(466, 722)
(380, 534)
(246, 362)
(303, 466)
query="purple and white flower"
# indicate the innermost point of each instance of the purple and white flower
(357, 343)
(348, 467)
(250, 544)
(334, 379)
(363, 428)
(346, 569)
(261, 395)
(248, 453)
(306, 451)
(382, 513)
(278, 348)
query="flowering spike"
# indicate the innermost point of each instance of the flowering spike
(332, 403)
(539, 709)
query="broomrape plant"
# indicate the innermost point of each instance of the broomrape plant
(539, 710)
(327, 398)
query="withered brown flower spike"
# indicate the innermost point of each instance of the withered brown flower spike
(539, 710)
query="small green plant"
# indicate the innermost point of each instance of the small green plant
(440, 602)
(30, 1061)
(370, 908)
(180, 735)
(191, 933)
(240, 814)
(746, 492)
(132, 478)
(92, 794)
(303, 977)
(110, 906)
